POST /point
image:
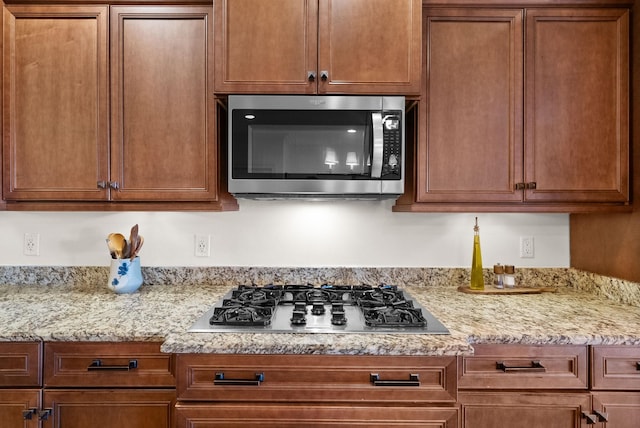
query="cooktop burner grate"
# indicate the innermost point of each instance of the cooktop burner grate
(323, 309)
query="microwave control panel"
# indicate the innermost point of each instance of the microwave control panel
(392, 143)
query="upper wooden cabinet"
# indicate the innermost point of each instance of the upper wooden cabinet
(153, 68)
(55, 116)
(163, 141)
(318, 46)
(522, 114)
(577, 105)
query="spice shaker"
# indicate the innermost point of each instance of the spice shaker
(509, 276)
(499, 279)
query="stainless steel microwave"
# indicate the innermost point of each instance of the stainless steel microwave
(284, 146)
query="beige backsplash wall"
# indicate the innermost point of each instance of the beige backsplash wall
(290, 233)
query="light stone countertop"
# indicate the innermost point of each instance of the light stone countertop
(165, 312)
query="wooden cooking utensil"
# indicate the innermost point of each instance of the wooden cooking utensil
(117, 244)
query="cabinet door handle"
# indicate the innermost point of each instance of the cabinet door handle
(102, 184)
(414, 380)
(535, 366)
(97, 365)
(311, 76)
(591, 419)
(220, 380)
(602, 416)
(44, 414)
(29, 413)
(114, 185)
(637, 365)
(324, 75)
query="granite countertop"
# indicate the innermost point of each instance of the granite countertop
(165, 312)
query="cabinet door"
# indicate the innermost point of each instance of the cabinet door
(139, 408)
(524, 410)
(369, 46)
(163, 113)
(307, 415)
(55, 106)
(470, 116)
(621, 409)
(266, 46)
(577, 105)
(19, 408)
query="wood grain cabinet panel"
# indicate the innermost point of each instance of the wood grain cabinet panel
(316, 390)
(77, 364)
(105, 105)
(522, 110)
(20, 381)
(525, 367)
(55, 115)
(163, 143)
(524, 410)
(20, 364)
(298, 378)
(19, 408)
(215, 415)
(349, 46)
(621, 409)
(139, 408)
(111, 385)
(470, 117)
(615, 368)
(577, 105)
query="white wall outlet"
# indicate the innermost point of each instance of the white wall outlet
(31, 244)
(526, 247)
(203, 245)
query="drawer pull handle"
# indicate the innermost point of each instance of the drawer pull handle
(97, 365)
(220, 380)
(637, 365)
(535, 366)
(414, 380)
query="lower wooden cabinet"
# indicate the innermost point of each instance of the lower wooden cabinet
(20, 384)
(524, 409)
(107, 385)
(19, 408)
(304, 415)
(315, 390)
(520, 386)
(109, 408)
(620, 409)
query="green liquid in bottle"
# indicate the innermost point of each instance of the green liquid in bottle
(477, 280)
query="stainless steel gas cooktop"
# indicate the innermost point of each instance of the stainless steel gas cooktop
(318, 309)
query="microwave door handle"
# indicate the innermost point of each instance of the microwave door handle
(376, 161)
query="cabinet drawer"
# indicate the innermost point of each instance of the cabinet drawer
(121, 364)
(318, 378)
(212, 415)
(20, 363)
(524, 367)
(615, 367)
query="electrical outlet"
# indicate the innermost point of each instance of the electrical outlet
(526, 247)
(31, 244)
(203, 245)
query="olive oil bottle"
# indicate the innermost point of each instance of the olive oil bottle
(477, 280)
